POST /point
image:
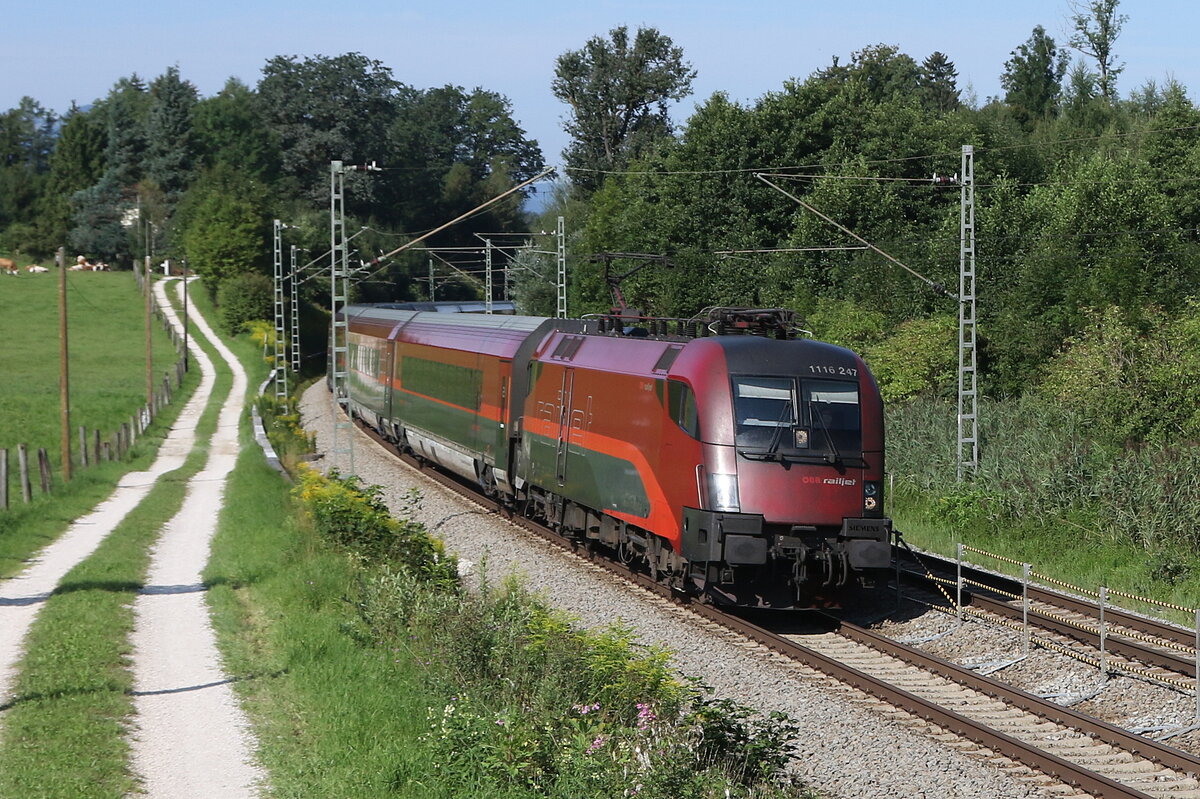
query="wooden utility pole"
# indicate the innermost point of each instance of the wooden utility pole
(149, 313)
(64, 383)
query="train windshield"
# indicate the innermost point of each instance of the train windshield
(783, 415)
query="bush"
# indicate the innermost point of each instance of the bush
(244, 298)
(918, 358)
(354, 518)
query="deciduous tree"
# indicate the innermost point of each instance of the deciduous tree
(618, 91)
(1032, 78)
(324, 109)
(1097, 26)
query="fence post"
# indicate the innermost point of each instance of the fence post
(1103, 635)
(959, 583)
(3, 479)
(44, 469)
(96, 437)
(83, 448)
(23, 468)
(1026, 568)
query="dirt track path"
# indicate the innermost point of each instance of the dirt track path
(190, 738)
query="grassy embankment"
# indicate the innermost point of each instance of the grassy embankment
(65, 730)
(108, 385)
(1048, 495)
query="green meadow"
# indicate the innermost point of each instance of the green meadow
(107, 340)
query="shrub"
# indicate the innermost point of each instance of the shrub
(243, 298)
(918, 358)
(354, 518)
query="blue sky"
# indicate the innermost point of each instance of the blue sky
(59, 51)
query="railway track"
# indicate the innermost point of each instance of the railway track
(1112, 638)
(1095, 758)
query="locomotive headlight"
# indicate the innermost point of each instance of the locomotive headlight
(723, 493)
(871, 491)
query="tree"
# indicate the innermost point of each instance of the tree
(939, 91)
(77, 163)
(881, 72)
(26, 140)
(230, 128)
(126, 108)
(1097, 26)
(170, 142)
(325, 109)
(224, 227)
(98, 223)
(618, 93)
(1032, 78)
(448, 140)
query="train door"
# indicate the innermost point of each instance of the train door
(565, 397)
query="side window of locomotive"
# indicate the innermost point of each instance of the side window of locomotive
(681, 405)
(833, 413)
(763, 407)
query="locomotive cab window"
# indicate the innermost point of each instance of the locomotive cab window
(681, 405)
(833, 415)
(783, 414)
(765, 408)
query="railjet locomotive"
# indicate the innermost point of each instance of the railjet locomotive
(729, 457)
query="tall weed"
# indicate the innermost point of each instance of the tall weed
(1040, 464)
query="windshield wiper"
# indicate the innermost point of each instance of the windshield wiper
(777, 436)
(837, 456)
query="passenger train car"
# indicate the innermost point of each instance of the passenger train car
(740, 466)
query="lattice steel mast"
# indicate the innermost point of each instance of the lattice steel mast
(295, 286)
(281, 388)
(968, 419)
(561, 235)
(339, 290)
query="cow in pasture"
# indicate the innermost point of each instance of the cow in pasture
(35, 269)
(9, 266)
(82, 264)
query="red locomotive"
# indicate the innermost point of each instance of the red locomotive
(729, 457)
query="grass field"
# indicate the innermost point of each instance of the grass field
(106, 332)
